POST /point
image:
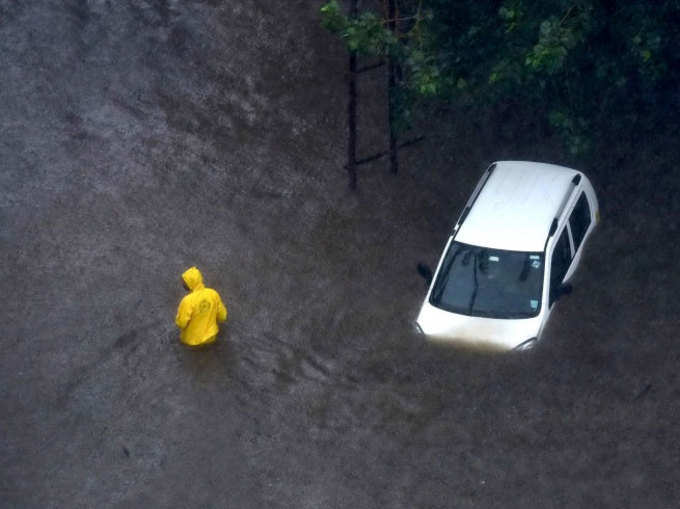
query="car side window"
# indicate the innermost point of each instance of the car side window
(579, 221)
(559, 264)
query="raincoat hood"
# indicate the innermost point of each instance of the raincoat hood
(193, 278)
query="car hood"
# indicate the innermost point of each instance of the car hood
(472, 331)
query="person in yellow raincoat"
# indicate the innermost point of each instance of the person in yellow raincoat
(199, 312)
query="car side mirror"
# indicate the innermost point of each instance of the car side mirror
(425, 272)
(564, 289)
(558, 292)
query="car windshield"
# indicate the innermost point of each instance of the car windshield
(479, 281)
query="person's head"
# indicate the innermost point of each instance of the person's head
(192, 279)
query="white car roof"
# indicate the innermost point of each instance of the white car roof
(516, 206)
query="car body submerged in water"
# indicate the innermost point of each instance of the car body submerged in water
(510, 256)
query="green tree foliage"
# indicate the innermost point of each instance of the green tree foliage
(590, 67)
(366, 34)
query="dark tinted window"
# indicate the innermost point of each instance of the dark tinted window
(579, 220)
(559, 264)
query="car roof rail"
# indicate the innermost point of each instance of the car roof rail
(466, 211)
(480, 185)
(553, 226)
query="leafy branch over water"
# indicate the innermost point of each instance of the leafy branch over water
(591, 68)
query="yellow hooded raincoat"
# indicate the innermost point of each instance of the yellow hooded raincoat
(199, 311)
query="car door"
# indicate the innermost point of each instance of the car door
(560, 261)
(580, 222)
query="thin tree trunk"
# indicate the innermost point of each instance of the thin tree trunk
(352, 112)
(391, 90)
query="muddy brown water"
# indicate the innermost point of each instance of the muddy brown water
(141, 137)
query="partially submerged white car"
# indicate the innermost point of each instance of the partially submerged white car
(510, 256)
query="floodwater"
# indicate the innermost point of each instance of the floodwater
(142, 137)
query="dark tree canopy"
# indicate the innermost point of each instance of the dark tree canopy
(590, 68)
